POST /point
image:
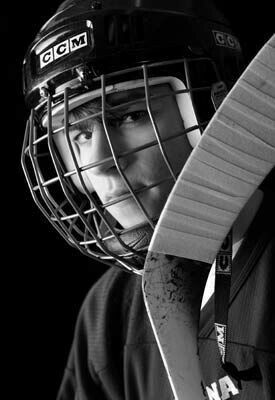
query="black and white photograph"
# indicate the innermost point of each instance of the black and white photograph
(139, 239)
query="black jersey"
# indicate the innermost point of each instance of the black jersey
(114, 354)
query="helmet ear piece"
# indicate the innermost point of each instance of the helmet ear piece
(218, 93)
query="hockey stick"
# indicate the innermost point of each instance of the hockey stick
(236, 152)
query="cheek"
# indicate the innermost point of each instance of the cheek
(152, 169)
(150, 166)
(178, 148)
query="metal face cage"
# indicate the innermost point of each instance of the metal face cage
(80, 217)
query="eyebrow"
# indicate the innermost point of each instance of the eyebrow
(112, 99)
(88, 111)
(121, 99)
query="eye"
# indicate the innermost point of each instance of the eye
(83, 137)
(133, 117)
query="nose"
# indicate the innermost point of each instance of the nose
(105, 148)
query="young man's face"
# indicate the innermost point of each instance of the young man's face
(130, 128)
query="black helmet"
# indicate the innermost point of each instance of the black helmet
(91, 46)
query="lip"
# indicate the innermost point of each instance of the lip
(116, 196)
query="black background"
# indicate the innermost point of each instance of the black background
(44, 280)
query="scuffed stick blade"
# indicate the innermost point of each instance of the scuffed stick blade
(234, 155)
(173, 290)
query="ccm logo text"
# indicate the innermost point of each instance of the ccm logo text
(226, 40)
(61, 49)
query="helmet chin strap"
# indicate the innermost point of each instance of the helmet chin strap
(137, 238)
